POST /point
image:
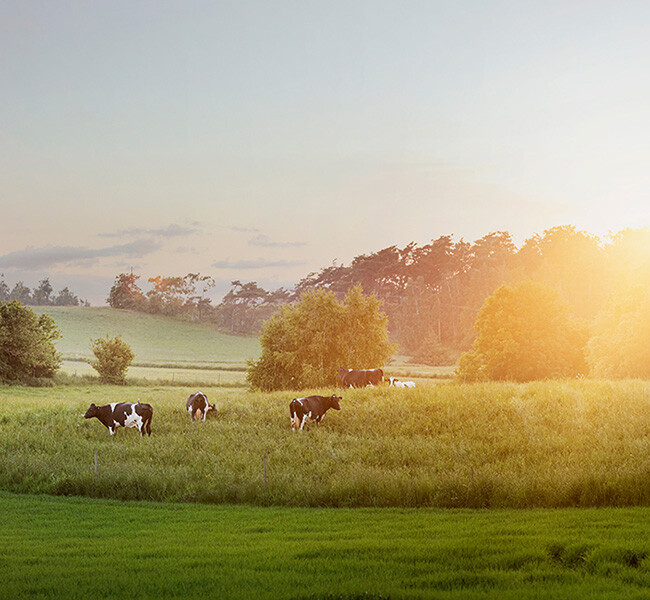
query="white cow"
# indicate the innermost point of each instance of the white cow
(394, 382)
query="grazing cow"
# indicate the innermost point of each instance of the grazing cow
(359, 378)
(198, 406)
(123, 414)
(312, 408)
(394, 382)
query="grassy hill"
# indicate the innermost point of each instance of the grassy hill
(154, 339)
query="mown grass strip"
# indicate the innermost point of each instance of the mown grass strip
(78, 548)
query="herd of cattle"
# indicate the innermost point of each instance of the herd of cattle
(301, 410)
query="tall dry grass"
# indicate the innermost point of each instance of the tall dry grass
(544, 444)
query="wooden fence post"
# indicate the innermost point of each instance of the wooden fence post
(264, 461)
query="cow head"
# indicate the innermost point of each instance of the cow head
(334, 402)
(91, 412)
(211, 408)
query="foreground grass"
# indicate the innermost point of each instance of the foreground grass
(546, 444)
(75, 548)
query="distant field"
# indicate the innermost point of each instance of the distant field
(154, 339)
(75, 548)
(169, 374)
(544, 444)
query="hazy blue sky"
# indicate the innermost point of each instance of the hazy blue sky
(262, 140)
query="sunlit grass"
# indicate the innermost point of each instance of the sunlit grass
(75, 548)
(546, 444)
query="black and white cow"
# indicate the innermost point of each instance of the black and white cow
(311, 408)
(123, 414)
(198, 406)
(360, 378)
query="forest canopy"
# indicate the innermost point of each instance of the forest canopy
(431, 293)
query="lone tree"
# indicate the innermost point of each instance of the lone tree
(305, 343)
(525, 332)
(619, 347)
(27, 351)
(114, 356)
(125, 292)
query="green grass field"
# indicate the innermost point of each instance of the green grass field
(545, 444)
(188, 512)
(154, 339)
(76, 548)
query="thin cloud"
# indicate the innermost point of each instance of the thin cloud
(172, 230)
(244, 229)
(264, 241)
(49, 256)
(259, 263)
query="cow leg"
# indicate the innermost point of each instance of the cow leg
(302, 425)
(149, 427)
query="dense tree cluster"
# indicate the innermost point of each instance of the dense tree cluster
(41, 295)
(242, 311)
(27, 352)
(432, 293)
(526, 332)
(620, 344)
(304, 343)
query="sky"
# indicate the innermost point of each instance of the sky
(264, 140)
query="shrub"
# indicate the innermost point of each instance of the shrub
(27, 351)
(114, 356)
(305, 343)
(525, 333)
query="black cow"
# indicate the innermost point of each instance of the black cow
(312, 408)
(198, 406)
(359, 378)
(123, 414)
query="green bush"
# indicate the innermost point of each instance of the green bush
(114, 356)
(305, 343)
(27, 352)
(525, 333)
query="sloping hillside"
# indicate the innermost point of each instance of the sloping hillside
(154, 339)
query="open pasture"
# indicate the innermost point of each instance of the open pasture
(544, 444)
(80, 548)
(153, 338)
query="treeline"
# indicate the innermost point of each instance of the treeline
(242, 310)
(42, 295)
(431, 293)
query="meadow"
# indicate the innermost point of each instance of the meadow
(79, 548)
(578, 443)
(385, 499)
(154, 339)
